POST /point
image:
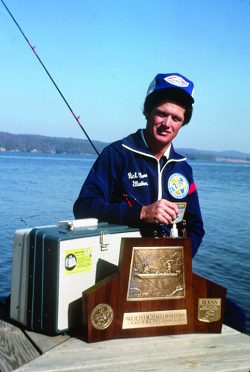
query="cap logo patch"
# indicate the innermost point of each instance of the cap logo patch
(178, 186)
(176, 80)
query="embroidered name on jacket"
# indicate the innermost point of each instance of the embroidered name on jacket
(137, 179)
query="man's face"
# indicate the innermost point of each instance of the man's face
(164, 122)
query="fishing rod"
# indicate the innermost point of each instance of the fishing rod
(77, 118)
(126, 195)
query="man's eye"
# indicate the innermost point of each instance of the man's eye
(176, 119)
(161, 114)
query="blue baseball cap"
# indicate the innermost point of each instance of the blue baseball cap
(172, 85)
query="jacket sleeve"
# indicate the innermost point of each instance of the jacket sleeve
(102, 195)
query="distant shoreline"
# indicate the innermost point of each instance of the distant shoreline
(192, 158)
(229, 160)
(30, 143)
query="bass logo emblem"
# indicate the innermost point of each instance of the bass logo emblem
(178, 186)
(209, 310)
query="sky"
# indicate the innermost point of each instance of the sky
(103, 54)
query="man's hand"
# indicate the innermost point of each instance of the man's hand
(162, 211)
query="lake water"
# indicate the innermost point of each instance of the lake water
(40, 189)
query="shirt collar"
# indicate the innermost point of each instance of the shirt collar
(166, 153)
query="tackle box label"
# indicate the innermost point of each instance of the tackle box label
(78, 260)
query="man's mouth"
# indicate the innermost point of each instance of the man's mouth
(162, 131)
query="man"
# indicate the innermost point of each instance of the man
(139, 180)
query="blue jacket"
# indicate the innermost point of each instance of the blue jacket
(127, 176)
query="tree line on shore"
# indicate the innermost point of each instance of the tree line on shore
(58, 145)
(44, 144)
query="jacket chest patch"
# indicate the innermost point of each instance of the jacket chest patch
(178, 186)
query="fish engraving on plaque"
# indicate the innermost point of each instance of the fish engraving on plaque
(156, 273)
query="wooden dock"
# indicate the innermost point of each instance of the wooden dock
(25, 351)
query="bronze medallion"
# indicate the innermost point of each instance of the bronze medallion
(102, 316)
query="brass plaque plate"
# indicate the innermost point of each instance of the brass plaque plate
(156, 273)
(154, 319)
(102, 316)
(209, 309)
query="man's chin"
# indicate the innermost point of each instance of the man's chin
(164, 139)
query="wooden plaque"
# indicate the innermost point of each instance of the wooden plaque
(154, 292)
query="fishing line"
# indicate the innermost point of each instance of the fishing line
(77, 118)
(125, 195)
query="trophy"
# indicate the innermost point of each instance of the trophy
(154, 292)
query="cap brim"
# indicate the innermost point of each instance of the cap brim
(177, 95)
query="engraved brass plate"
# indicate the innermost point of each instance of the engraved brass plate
(154, 319)
(102, 316)
(209, 309)
(156, 273)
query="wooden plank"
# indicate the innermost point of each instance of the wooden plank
(45, 343)
(229, 351)
(15, 348)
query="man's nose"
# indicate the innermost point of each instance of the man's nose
(166, 121)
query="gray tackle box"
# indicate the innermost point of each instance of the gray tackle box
(53, 265)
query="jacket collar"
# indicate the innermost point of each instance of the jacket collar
(136, 142)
